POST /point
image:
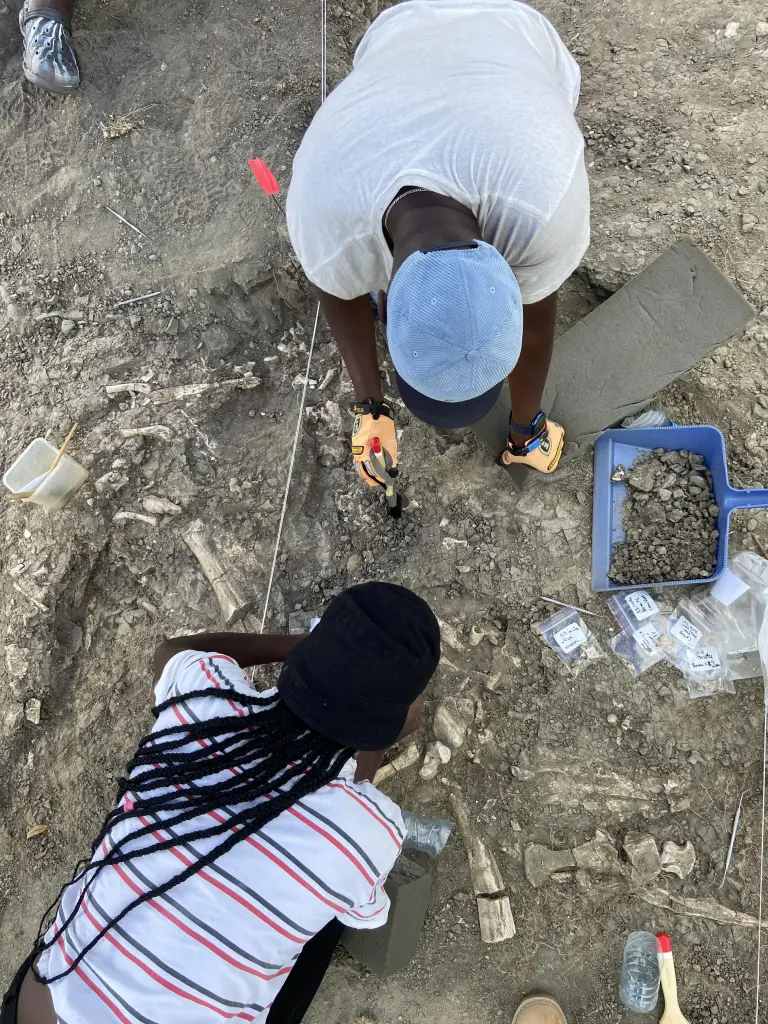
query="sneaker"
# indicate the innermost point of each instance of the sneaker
(50, 61)
(539, 1010)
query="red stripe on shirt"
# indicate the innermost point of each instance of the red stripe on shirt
(91, 985)
(156, 905)
(235, 707)
(368, 917)
(158, 977)
(367, 807)
(281, 864)
(335, 842)
(226, 889)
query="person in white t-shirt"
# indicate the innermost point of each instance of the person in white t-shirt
(245, 836)
(446, 176)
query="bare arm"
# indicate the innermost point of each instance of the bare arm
(245, 648)
(369, 761)
(352, 325)
(527, 380)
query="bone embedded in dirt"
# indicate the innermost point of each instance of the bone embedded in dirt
(598, 856)
(643, 856)
(450, 636)
(32, 709)
(497, 923)
(137, 517)
(494, 910)
(160, 506)
(404, 760)
(153, 430)
(678, 860)
(234, 605)
(448, 725)
(437, 754)
(541, 863)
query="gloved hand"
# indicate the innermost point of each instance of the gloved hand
(544, 449)
(373, 419)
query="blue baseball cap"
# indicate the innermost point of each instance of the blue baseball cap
(454, 330)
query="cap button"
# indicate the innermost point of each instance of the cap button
(471, 355)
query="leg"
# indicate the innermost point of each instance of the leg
(9, 1012)
(302, 983)
(49, 59)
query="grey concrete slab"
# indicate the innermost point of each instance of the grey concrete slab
(614, 361)
(391, 948)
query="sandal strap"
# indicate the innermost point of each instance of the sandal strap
(532, 429)
(528, 447)
(50, 14)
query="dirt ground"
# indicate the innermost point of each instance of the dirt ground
(674, 112)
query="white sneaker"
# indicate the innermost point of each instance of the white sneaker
(50, 61)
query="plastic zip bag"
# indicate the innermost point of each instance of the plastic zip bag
(427, 835)
(570, 638)
(643, 621)
(706, 672)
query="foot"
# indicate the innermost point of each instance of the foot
(539, 1010)
(49, 58)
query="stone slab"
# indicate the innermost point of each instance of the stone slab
(614, 361)
(391, 948)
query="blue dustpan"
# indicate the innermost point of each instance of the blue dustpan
(622, 447)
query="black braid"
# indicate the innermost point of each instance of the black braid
(266, 752)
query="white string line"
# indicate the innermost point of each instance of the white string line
(762, 862)
(299, 421)
(296, 437)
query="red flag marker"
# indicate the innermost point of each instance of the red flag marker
(265, 177)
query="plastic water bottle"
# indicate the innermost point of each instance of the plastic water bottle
(639, 983)
(649, 418)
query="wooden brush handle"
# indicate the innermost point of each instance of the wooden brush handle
(672, 1012)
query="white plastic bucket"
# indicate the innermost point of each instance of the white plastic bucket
(32, 471)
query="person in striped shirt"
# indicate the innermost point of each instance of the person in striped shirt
(245, 836)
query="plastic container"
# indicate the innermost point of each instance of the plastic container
(639, 982)
(622, 447)
(32, 472)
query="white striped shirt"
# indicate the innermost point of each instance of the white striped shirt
(219, 945)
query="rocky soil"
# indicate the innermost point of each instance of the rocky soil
(670, 519)
(674, 114)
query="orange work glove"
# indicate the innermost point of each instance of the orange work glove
(544, 449)
(373, 419)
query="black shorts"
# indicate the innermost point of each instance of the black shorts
(11, 997)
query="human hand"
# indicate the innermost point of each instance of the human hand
(541, 453)
(373, 419)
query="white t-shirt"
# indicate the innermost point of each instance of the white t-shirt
(472, 99)
(219, 945)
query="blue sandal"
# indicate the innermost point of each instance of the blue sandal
(50, 61)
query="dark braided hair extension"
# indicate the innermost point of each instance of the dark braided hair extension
(265, 752)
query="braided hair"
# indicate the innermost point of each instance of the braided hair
(273, 758)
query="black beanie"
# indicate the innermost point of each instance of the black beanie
(359, 670)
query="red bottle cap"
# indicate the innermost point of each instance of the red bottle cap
(376, 445)
(663, 943)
